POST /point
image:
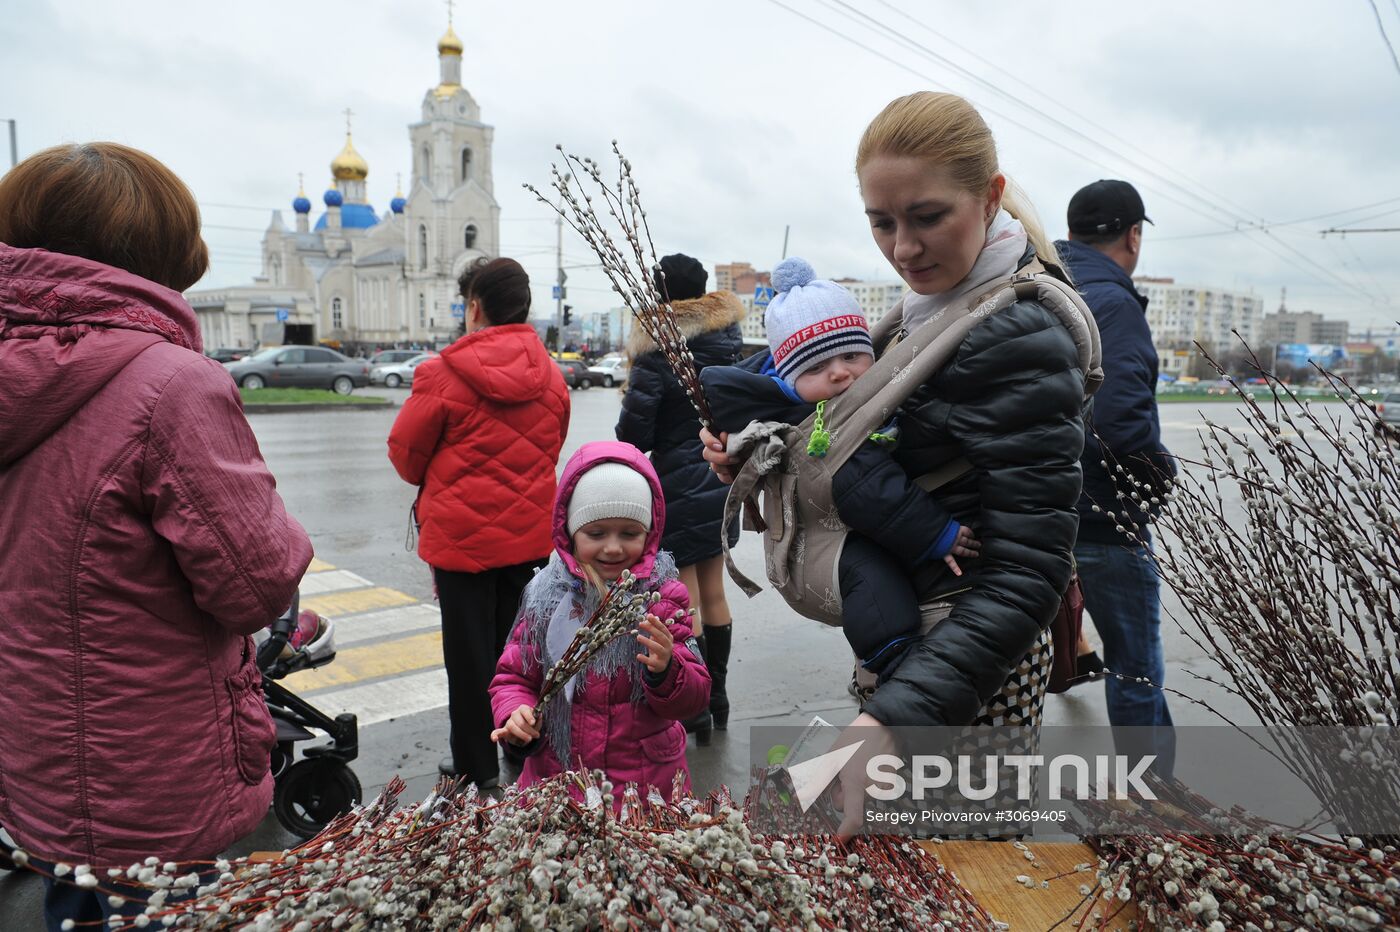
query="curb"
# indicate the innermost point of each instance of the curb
(315, 406)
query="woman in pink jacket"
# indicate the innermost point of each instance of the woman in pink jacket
(144, 538)
(623, 713)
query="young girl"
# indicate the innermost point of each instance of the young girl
(622, 714)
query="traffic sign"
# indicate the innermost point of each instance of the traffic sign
(557, 292)
(762, 294)
(459, 311)
(283, 314)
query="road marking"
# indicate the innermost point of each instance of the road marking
(351, 629)
(335, 604)
(331, 581)
(401, 655)
(387, 699)
(400, 674)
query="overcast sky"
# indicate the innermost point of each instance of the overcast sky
(741, 117)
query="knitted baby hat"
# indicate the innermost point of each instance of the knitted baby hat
(609, 490)
(810, 320)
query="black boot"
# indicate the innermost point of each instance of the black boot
(717, 640)
(702, 725)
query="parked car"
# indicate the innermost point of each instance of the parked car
(227, 354)
(570, 376)
(610, 370)
(393, 375)
(582, 377)
(300, 367)
(388, 356)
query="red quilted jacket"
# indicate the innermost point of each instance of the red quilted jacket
(481, 435)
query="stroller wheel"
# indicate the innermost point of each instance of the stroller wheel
(312, 793)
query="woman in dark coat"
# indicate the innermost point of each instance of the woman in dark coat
(658, 419)
(1010, 403)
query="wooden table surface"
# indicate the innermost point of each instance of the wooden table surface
(989, 869)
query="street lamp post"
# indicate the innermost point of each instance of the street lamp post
(14, 144)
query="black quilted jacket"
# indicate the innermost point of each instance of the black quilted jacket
(658, 419)
(1011, 402)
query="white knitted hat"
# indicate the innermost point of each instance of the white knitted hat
(811, 319)
(609, 490)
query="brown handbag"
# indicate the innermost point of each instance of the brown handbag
(1065, 628)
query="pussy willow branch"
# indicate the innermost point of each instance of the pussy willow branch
(632, 269)
(1298, 601)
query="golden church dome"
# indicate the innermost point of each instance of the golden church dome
(349, 165)
(449, 44)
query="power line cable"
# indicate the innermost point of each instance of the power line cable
(1385, 38)
(1245, 225)
(1292, 223)
(1103, 130)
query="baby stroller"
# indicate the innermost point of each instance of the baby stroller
(310, 792)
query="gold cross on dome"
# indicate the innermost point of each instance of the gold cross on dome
(449, 13)
(348, 114)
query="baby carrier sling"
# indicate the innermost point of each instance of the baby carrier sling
(802, 533)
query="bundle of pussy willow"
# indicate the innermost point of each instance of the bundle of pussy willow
(558, 855)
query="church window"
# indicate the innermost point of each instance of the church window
(425, 159)
(337, 314)
(466, 164)
(275, 269)
(422, 310)
(469, 235)
(422, 246)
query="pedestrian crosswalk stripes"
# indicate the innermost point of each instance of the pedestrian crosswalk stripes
(356, 664)
(353, 629)
(331, 581)
(389, 649)
(348, 602)
(382, 700)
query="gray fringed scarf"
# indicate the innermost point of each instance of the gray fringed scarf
(555, 605)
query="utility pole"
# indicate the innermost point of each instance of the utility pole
(14, 144)
(559, 283)
(786, 230)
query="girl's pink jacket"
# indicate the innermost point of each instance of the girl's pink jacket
(143, 540)
(632, 743)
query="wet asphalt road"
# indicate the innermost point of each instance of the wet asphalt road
(333, 472)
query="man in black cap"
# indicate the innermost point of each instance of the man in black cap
(1120, 585)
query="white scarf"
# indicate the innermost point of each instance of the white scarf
(1001, 255)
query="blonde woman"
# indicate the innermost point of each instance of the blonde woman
(949, 222)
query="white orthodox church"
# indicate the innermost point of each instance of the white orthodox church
(356, 277)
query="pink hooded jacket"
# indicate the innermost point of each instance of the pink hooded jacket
(143, 541)
(632, 742)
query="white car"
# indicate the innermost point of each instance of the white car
(399, 373)
(610, 370)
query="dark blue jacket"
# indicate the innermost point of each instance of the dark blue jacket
(1124, 413)
(873, 495)
(658, 419)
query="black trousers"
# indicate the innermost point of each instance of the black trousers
(478, 610)
(878, 604)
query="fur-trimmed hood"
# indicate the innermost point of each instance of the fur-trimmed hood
(694, 316)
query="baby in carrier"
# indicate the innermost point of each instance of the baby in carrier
(819, 345)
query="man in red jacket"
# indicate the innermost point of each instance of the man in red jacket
(480, 436)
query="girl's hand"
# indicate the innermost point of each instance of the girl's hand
(964, 545)
(656, 638)
(713, 451)
(520, 728)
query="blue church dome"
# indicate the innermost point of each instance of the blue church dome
(301, 205)
(352, 216)
(333, 198)
(397, 205)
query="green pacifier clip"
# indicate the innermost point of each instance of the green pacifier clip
(820, 440)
